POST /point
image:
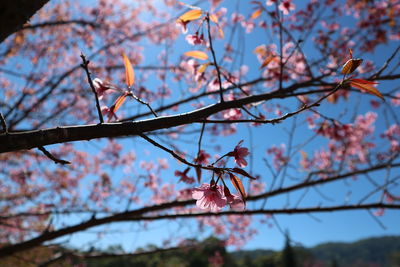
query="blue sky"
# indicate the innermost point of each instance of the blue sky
(304, 229)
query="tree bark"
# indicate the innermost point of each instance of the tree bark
(14, 14)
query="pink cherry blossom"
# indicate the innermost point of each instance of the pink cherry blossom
(106, 111)
(183, 25)
(195, 39)
(209, 197)
(184, 178)
(396, 101)
(102, 87)
(285, 6)
(235, 202)
(240, 153)
(202, 158)
(280, 159)
(270, 2)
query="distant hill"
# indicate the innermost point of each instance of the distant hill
(377, 250)
(371, 252)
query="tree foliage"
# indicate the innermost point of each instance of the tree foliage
(201, 112)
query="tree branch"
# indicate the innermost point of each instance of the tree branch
(14, 14)
(31, 139)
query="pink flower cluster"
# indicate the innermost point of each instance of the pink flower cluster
(285, 6)
(279, 159)
(216, 197)
(195, 39)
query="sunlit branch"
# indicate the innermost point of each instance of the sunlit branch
(61, 23)
(31, 139)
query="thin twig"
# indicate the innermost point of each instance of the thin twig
(214, 58)
(379, 72)
(85, 66)
(175, 155)
(53, 158)
(144, 103)
(200, 139)
(280, 18)
(279, 119)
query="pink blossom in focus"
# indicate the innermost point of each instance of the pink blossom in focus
(240, 153)
(209, 198)
(102, 87)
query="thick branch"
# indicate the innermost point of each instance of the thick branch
(14, 14)
(137, 216)
(31, 139)
(60, 23)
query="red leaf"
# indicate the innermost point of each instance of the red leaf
(243, 172)
(237, 183)
(367, 86)
(120, 100)
(198, 172)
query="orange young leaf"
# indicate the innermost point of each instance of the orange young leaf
(203, 67)
(367, 86)
(214, 18)
(191, 15)
(237, 183)
(256, 14)
(260, 50)
(221, 32)
(129, 73)
(333, 98)
(351, 65)
(120, 100)
(197, 54)
(267, 61)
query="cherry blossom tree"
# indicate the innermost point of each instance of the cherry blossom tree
(195, 113)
